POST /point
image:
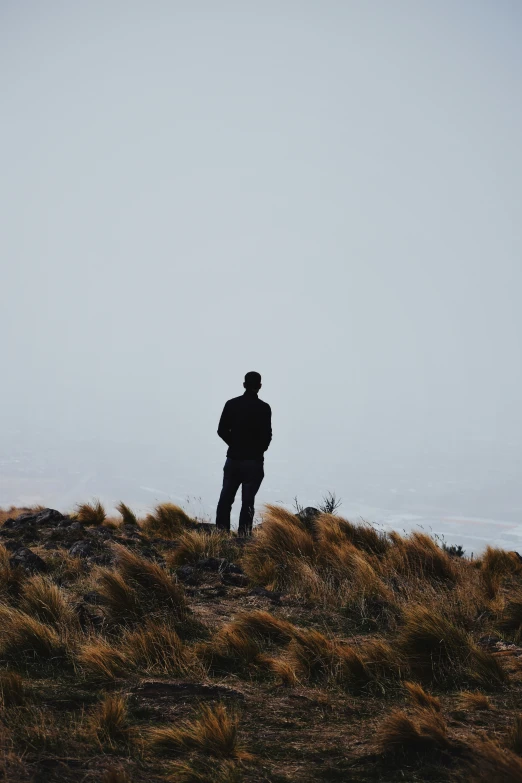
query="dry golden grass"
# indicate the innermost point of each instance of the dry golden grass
(193, 545)
(424, 731)
(25, 641)
(203, 770)
(91, 514)
(283, 668)
(263, 625)
(128, 516)
(473, 700)
(420, 698)
(418, 555)
(500, 562)
(102, 662)
(11, 578)
(514, 738)
(214, 733)
(167, 521)
(231, 648)
(116, 775)
(511, 617)
(12, 689)
(109, 722)
(156, 648)
(152, 581)
(336, 530)
(438, 649)
(121, 601)
(488, 762)
(281, 540)
(44, 600)
(65, 568)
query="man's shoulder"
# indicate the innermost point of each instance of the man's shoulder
(265, 405)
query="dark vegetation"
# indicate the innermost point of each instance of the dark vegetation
(157, 649)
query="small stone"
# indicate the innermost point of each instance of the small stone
(27, 559)
(81, 549)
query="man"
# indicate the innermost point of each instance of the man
(246, 427)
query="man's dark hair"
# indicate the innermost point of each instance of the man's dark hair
(252, 380)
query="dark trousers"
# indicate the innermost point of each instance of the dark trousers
(247, 473)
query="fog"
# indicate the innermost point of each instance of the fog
(326, 192)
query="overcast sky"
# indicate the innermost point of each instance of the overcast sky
(326, 192)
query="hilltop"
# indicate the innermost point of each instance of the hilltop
(157, 649)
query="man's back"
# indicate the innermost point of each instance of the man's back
(245, 425)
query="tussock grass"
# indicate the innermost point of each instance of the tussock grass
(156, 648)
(487, 762)
(418, 555)
(500, 562)
(121, 600)
(424, 731)
(232, 648)
(11, 578)
(151, 580)
(116, 775)
(202, 770)
(109, 723)
(25, 640)
(91, 514)
(511, 617)
(66, 569)
(336, 530)
(280, 544)
(283, 669)
(12, 689)
(128, 516)
(265, 626)
(473, 700)
(440, 650)
(167, 521)
(193, 545)
(44, 600)
(514, 738)
(214, 733)
(102, 662)
(420, 698)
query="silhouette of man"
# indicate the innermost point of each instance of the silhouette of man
(246, 427)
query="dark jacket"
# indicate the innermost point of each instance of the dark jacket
(246, 426)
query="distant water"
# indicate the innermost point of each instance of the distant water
(473, 499)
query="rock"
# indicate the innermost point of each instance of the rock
(103, 533)
(77, 526)
(28, 560)
(188, 575)
(12, 546)
(82, 548)
(264, 593)
(235, 580)
(46, 517)
(308, 516)
(232, 568)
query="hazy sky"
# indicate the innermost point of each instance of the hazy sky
(327, 192)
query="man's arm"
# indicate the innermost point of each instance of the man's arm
(225, 424)
(267, 429)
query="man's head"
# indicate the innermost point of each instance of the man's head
(252, 381)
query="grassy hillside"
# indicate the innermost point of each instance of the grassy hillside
(159, 650)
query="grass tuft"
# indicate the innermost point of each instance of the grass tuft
(102, 662)
(420, 698)
(167, 521)
(92, 514)
(43, 599)
(213, 733)
(26, 641)
(110, 721)
(473, 700)
(128, 516)
(424, 731)
(12, 689)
